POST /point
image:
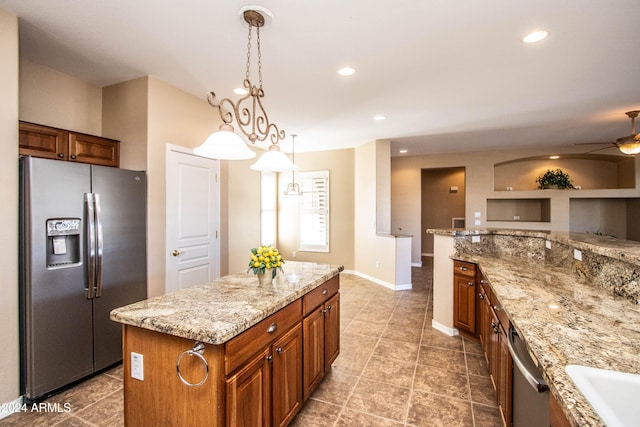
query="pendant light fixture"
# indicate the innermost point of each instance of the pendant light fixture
(250, 116)
(630, 144)
(293, 188)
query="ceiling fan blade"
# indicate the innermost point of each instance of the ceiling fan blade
(598, 149)
(595, 143)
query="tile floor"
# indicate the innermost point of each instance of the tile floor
(393, 370)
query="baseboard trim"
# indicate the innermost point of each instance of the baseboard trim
(10, 408)
(452, 332)
(377, 281)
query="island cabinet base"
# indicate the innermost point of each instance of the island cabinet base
(160, 398)
(259, 378)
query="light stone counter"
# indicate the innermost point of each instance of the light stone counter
(568, 311)
(217, 311)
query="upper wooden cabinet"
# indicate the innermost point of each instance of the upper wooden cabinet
(52, 143)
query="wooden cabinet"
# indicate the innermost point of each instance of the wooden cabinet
(321, 331)
(267, 390)
(492, 326)
(464, 297)
(557, 418)
(52, 143)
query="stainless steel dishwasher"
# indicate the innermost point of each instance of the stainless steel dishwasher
(530, 391)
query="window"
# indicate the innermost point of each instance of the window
(314, 212)
(268, 219)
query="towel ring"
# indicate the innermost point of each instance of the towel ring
(197, 350)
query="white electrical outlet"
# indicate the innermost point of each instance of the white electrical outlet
(475, 239)
(293, 254)
(476, 214)
(137, 366)
(477, 222)
(577, 254)
(547, 244)
(377, 264)
(516, 217)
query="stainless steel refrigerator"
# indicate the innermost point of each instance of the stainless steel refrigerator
(82, 253)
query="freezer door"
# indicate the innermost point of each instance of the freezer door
(121, 254)
(55, 314)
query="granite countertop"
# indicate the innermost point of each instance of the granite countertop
(565, 320)
(623, 250)
(217, 311)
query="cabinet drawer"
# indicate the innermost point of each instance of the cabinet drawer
(320, 294)
(464, 268)
(241, 348)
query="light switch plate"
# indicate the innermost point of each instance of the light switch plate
(477, 222)
(476, 214)
(547, 244)
(475, 239)
(137, 366)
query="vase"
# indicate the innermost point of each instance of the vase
(265, 278)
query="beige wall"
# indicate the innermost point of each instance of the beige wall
(479, 167)
(339, 163)
(52, 98)
(10, 350)
(374, 255)
(146, 114)
(125, 118)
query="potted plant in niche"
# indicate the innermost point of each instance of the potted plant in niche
(265, 262)
(554, 179)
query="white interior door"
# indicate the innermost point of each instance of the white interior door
(193, 216)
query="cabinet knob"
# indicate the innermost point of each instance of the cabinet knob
(481, 296)
(272, 328)
(469, 284)
(324, 310)
(279, 350)
(73, 156)
(463, 268)
(329, 307)
(325, 291)
(269, 358)
(495, 327)
(61, 155)
(483, 281)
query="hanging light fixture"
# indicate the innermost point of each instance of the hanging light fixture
(293, 188)
(630, 144)
(251, 119)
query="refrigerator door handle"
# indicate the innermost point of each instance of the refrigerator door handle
(91, 245)
(99, 246)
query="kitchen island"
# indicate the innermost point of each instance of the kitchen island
(231, 351)
(569, 311)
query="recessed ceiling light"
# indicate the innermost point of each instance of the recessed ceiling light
(240, 91)
(379, 117)
(403, 151)
(346, 71)
(554, 157)
(535, 36)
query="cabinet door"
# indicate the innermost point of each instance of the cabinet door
(43, 141)
(94, 150)
(464, 313)
(331, 331)
(287, 381)
(249, 393)
(314, 342)
(505, 378)
(494, 349)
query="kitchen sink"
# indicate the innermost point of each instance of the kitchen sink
(613, 394)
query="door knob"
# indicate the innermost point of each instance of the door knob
(175, 252)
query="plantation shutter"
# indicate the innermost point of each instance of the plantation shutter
(314, 212)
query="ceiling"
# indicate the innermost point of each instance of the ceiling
(449, 76)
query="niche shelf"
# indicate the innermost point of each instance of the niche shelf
(519, 210)
(588, 171)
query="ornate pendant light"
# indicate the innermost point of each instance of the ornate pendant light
(293, 188)
(249, 113)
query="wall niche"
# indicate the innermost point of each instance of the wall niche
(587, 171)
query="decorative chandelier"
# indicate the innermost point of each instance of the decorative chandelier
(293, 188)
(630, 144)
(249, 113)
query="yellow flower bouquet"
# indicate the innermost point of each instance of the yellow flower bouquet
(263, 258)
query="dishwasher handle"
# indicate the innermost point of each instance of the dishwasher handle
(538, 384)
